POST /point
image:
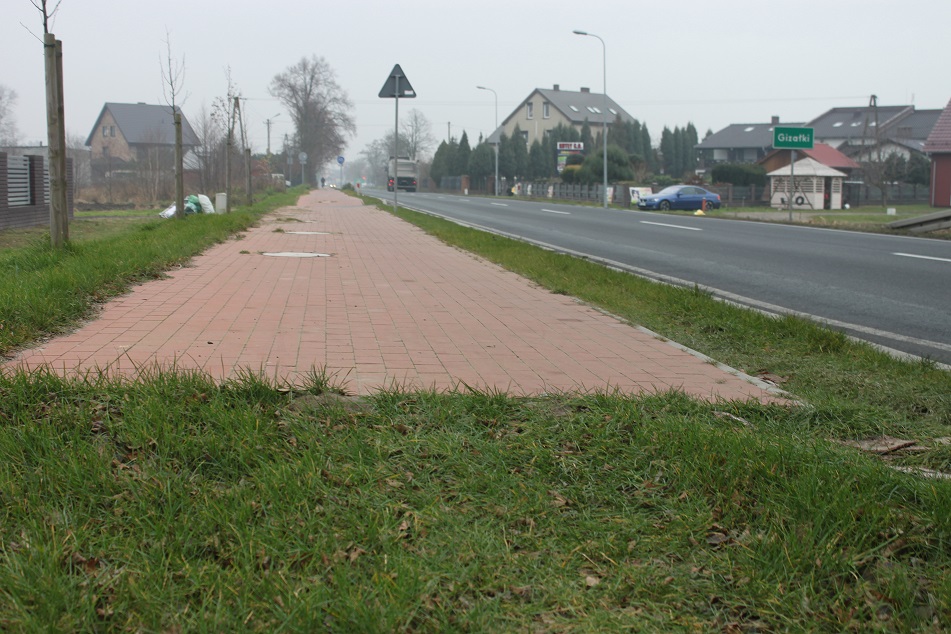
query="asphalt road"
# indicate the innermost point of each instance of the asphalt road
(891, 290)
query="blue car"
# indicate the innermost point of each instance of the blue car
(688, 197)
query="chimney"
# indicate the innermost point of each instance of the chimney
(775, 120)
(556, 87)
(583, 89)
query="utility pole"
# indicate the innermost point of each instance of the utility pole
(230, 147)
(179, 171)
(247, 160)
(268, 122)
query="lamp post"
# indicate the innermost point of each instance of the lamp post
(604, 114)
(268, 122)
(496, 142)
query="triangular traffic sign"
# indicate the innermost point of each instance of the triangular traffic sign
(397, 85)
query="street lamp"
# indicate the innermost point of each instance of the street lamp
(268, 122)
(604, 115)
(496, 142)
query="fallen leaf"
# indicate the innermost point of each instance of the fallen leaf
(882, 445)
(717, 538)
(591, 581)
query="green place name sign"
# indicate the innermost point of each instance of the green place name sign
(792, 138)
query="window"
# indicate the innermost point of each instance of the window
(613, 111)
(529, 110)
(574, 108)
(105, 131)
(525, 136)
(112, 130)
(546, 110)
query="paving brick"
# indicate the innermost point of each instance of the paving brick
(392, 307)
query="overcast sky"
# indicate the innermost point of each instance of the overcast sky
(669, 62)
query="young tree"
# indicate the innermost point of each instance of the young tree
(319, 107)
(9, 135)
(173, 79)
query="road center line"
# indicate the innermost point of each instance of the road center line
(922, 257)
(552, 211)
(661, 224)
(499, 204)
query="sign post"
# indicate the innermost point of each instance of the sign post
(786, 138)
(340, 161)
(302, 157)
(396, 86)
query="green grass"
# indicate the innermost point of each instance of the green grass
(176, 504)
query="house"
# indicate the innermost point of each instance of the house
(125, 134)
(869, 132)
(938, 146)
(545, 109)
(739, 143)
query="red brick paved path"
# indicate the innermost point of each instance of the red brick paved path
(391, 306)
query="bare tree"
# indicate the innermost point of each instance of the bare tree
(417, 132)
(55, 127)
(43, 7)
(377, 155)
(173, 79)
(9, 135)
(211, 129)
(320, 109)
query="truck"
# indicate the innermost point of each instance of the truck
(402, 173)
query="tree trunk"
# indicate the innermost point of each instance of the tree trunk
(179, 176)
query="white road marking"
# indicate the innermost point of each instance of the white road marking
(552, 211)
(661, 224)
(499, 204)
(922, 257)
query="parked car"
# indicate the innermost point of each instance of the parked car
(689, 197)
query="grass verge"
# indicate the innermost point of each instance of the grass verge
(177, 504)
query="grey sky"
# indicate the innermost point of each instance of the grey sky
(668, 62)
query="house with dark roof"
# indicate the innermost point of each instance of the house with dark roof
(739, 143)
(867, 132)
(126, 133)
(938, 146)
(544, 109)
